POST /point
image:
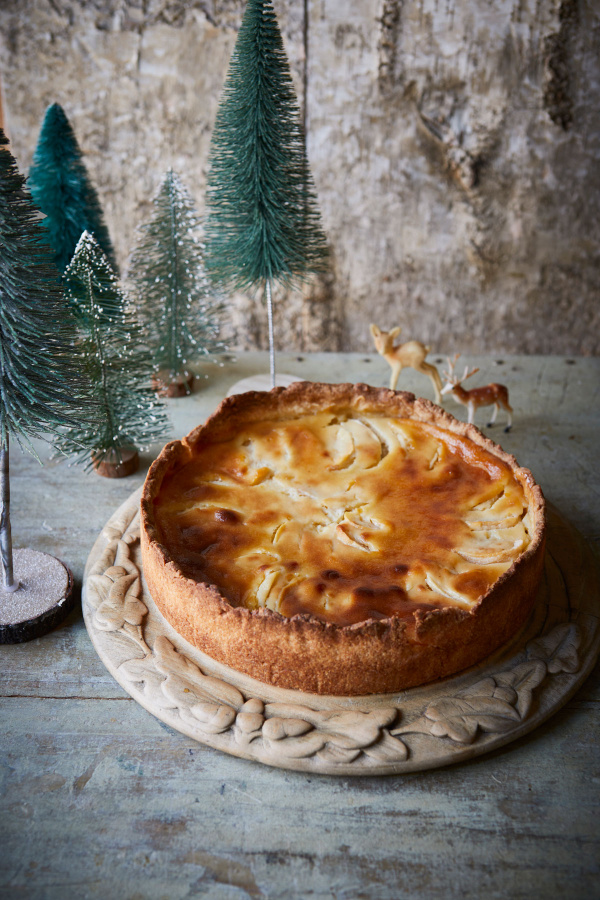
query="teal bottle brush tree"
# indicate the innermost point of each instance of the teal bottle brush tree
(263, 223)
(119, 367)
(62, 190)
(43, 388)
(180, 311)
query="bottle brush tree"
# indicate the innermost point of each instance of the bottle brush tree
(62, 190)
(119, 365)
(179, 308)
(43, 383)
(263, 222)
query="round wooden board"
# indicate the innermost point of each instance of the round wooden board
(452, 720)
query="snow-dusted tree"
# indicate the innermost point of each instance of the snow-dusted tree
(119, 363)
(180, 310)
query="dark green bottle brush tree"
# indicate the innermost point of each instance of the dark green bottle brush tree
(119, 365)
(263, 223)
(43, 389)
(179, 308)
(62, 190)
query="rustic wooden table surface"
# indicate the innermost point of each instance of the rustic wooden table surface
(101, 800)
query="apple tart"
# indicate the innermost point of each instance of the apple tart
(341, 539)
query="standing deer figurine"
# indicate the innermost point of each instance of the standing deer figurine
(496, 394)
(409, 355)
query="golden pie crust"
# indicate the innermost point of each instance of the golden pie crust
(341, 539)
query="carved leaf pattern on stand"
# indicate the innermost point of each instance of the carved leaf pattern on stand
(148, 680)
(520, 684)
(169, 681)
(496, 703)
(201, 700)
(336, 737)
(116, 582)
(559, 648)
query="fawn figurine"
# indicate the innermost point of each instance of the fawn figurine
(409, 355)
(496, 394)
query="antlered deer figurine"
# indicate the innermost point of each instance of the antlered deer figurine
(409, 355)
(496, 394)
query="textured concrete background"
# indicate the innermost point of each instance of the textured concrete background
(454, 147)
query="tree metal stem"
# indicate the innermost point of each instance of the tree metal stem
(271, 333)
(9, 583)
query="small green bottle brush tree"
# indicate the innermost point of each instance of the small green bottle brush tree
(62, 190)
(44, 386)
(263, 223)
(119, 367)
(178, 307)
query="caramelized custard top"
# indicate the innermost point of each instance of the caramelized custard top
(345, 518)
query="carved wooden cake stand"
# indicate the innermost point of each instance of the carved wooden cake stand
(441, 723)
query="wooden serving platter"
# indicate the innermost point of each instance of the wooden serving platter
(453, 720)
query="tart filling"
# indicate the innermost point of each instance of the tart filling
(344, 517)
(328, 526)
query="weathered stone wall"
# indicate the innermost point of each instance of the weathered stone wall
(454, 148)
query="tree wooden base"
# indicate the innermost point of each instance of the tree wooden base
(166, 386)
(44, 598)
(118, 465)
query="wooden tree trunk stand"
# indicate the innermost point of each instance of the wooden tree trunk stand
(118, 464)
(166, 386)
(44, 598)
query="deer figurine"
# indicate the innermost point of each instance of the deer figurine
(409, 355)
(496, 394)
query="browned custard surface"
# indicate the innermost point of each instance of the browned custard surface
(344, 518)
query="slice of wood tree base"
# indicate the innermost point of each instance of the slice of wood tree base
(165, 386)
(118, 465)
(44, 598)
